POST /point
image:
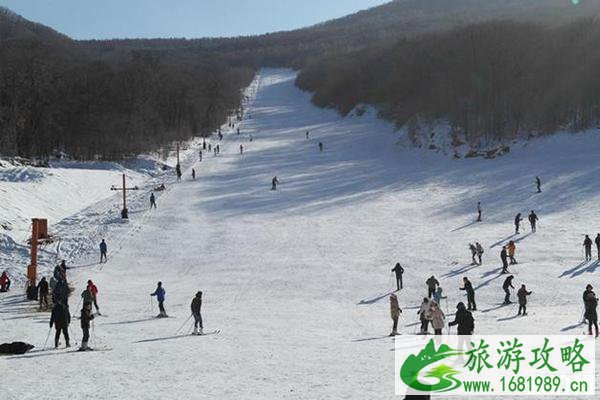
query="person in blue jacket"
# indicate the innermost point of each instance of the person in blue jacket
(103, 250)
(160, 296)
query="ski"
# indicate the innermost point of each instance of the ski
(215, 332)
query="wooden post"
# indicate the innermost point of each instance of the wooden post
(124, 212)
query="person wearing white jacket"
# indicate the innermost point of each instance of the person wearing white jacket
(437, 317)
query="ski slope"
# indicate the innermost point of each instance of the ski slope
(297, 279)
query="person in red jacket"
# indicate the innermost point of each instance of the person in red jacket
(4, 282)
(94, 291)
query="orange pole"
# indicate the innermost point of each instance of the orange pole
(32, 270)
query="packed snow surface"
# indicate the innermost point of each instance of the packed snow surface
(297, 279)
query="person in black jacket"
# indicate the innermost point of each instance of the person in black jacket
(597, 241)
(432, 283)
(533, 219)
(522, 296)
(464, 320)
(468, 287)
(591, 303)
(504, 258)
(43, 293)
(86, 317)
(507, 284)
(399, 271)
(587, 244)
(61, 318)
(518, 220)
(538, 183)
(196, 308)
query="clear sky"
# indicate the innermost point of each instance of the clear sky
(102, 19)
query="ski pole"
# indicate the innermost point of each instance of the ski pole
(182, 325)
(47, 337)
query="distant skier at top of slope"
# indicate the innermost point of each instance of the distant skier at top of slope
(533, 219)
(478, 211)
(538, 183)
(160, 296)
(274, 183)
(587, 245)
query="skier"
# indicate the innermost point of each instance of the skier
(103, 250)
(307, 134)
(504, 258)
(193, 174)
(522, 296)
(218, 149)
(424, 316)
(511, 248)
(464, 320)
(60, 293)
(591, 303)
(238, 131)
(178, 171)
(94, 294)
(506, 285)
(215, 151)
(538, 183)
(86, 317)
(60, 318)
(241, 149)
(518, 220)
(4, 282)
(196, 308)
(209, 147)
(473, 253)
(478, 211)
(438, 295)
(43, 293)
(200, 156)
(533, 219)
(320, 146)
(160, 296)
(479, 248)
(597, 241)
(274, 183)
(437, 317)
(203, 147)
(395, 312)
(152, 200)
(431, 285)
(468, 287)
(587, 245)
(399, 271)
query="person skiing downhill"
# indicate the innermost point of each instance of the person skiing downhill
(424, 316)
(473, 253)
(241, 149)
(320, 146)
(193, 174)
(152, 200)
(103, 250)
(86, 317)
(395, 312)
(533, 219)
(437, 317)
(431, 283)
(518, 220)
(479, 248)
(538, 183)
(468, 287)
(590, 301)
(93, 290)
(478, 211)
(522, 296)
(464, 320)
(511, 249)
(274, 183)
(504, 258)
(200, 156)
(587, 245)
(307, 134)
(43, 293)
(60, 318)
(160, 296)
(506, 286)
(398, 271)
(196, 307)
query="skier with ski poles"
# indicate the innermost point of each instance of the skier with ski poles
(424, 316)
(60, 318)
(473, 253)
(196, 307)
(395, 312)
(511, 249)
(468, 287)
(93, 290)
(160, 296)
(478, 211)
(479, 248)
(518, 220)
(590, 301)
(398, 270)
(533, 219)
(431, 283)
(506, 285)
(274, 183)
(86, 317)
(538, 183)
(522, 296)
(587, 245)
(504, 258)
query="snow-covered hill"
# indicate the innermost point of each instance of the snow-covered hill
(297, 279)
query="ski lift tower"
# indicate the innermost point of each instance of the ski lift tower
(39, 236)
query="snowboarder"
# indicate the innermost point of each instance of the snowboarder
(60, 318)
(399, 271)
(103, 250)
(43, 293)
(431, 285)
(533, 219)
(507, 285)
(587, 245)
(160, 296)
(464, 319)
(518, 220)
(91, 287)
(178, 171)
(478, 211)
(4, 282)
(193, 174)
(511, 248)
(504, 258)
(437, 317)
(468, 287)
(597, 241)
(522, 296)
(152, 200)
(538, 183)
(196, 308)
(320, 146)
(479, 248)
(424, 316)
(241, 149)
(395, 312)
(274, 183)
(438, 295)
(591, 303)
(86, 317)
(473, 253)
